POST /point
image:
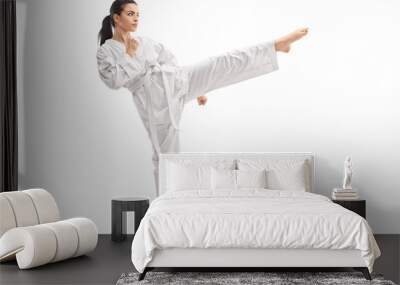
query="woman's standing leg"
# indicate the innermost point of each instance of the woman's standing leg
(230, 67)
(169, 142)
(155, 160)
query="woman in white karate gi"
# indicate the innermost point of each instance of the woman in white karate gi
(160, 87)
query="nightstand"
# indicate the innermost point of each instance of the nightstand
(357, 206)
(119, 207)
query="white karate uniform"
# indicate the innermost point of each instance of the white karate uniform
(160, 87)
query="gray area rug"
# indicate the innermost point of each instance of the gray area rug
(275, 278)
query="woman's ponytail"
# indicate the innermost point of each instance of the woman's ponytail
(106, 29)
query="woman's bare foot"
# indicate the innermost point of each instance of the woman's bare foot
(283, 44)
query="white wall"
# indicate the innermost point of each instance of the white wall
(334, 94)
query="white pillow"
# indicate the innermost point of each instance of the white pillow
(282, 174)
(188, 177)
(251, 178)
(236, 179)
(291, 178)
(223, 179)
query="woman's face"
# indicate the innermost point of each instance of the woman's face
(128, 19)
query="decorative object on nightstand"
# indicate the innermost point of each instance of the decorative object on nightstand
(348, 173)
(346, 192)
(357, 206)
(119, 207)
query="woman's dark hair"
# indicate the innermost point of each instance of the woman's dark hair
(116, 8)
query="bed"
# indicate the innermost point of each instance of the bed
(246, 210)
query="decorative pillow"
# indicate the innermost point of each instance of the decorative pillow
(287, 179)
(223, 179)
(188, 177)
(251, 178)
(282, 174)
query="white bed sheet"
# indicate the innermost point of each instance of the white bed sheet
(250, 218)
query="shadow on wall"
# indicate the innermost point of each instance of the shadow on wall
(34, 134)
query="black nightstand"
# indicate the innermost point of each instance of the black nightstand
(119, 207)
(357, 206)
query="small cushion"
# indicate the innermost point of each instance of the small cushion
(185, 177)
(282, 174)
(223, 179)
(251, 178)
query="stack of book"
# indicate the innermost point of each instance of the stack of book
(344, 194)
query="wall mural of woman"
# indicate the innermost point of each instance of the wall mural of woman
(159, 85)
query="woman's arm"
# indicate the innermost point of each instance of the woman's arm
(115, 73)
(165, 56)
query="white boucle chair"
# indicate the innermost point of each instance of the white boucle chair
(31, 230)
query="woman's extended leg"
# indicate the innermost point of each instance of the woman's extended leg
(237, 65)
(230, 67)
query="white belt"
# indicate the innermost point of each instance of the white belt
(147, 83)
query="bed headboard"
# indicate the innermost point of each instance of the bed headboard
(165, 157)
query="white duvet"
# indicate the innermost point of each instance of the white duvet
(250, 218)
